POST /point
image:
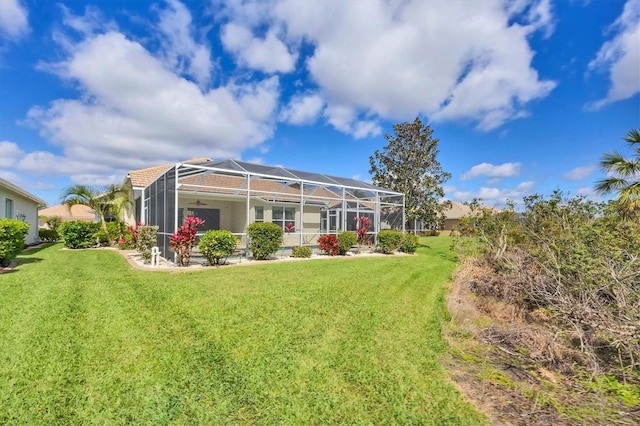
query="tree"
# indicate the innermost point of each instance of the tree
(624, 175)
(100, 201)
(408, 164)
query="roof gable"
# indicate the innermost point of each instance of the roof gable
(144, 177)
(16, 189)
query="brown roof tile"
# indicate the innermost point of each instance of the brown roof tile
(77, 212)
(145, 177)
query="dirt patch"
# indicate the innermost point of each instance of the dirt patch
(493, 361)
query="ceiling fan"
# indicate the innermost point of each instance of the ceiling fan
(198, 203)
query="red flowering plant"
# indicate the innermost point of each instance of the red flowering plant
(289, 227)
(362, 227)
(184, 239)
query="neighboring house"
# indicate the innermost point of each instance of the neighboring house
(452, 219)
(233, 194)
(76, 212)
(16, 203)
(453, 215)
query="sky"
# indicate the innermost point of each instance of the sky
(524, 96)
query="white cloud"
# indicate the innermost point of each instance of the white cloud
(492, 196)
(10, 154)
(590, 193)
(400, 67)
(302, 109)
(13, 19)
(620, 56)
(182, 52)
(579, 173)
(344, 119)
(492, 171)
(269, 54)
(133, 112)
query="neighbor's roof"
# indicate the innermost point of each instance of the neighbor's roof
(22, 192)
(457, 210)
(145, 177)
(77, 212)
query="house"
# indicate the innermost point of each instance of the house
(16, 203)
(453, 214)
(67, 214)
(232, 194)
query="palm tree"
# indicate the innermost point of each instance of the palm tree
(624, 175)
(100, 201)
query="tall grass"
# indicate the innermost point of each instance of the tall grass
(87, 339)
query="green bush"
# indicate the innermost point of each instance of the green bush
(301, 251)
(125, 242)
(265, 239)
(12, 233)
(389, 240)
(114, 229)
(409, 243)
(346, 240)
(147, 239)
(53, 222)
(48, 235)
(78, 234)
(216, 245)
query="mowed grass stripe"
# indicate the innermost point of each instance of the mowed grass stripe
(352, 341)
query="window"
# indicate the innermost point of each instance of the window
(259, 210)
(8, 208)
(284, 217)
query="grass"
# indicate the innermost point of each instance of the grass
(86, 339)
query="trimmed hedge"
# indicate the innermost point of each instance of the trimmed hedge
(48, 235)
(389, 240)
(147, 239)
(265, 239)
(346, 240)
(12, 233)
(302, 251)
(409, 243)
(78, 234)
(216, 245)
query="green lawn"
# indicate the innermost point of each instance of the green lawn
(87, 339)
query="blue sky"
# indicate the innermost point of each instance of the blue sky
(524, 96)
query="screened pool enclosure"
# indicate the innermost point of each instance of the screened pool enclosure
(233, 194)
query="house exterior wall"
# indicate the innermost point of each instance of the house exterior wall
(20, 205)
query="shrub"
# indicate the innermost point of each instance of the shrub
(265, 239)
(329, 245)
(113, 229)
(12, 233)
(48, 235)
(126, 242)
(217, 245)
(362, 227)
(575, 258)
(301, 251)
(53, 222)
(409, 243)
(147, 238)
(182, 241)
(389, 240)
(78, 234)
(346, 240)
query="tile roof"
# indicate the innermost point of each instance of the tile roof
(77, 212)
(457, 210)
(145, 177)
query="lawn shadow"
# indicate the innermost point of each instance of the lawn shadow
(35, 249)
